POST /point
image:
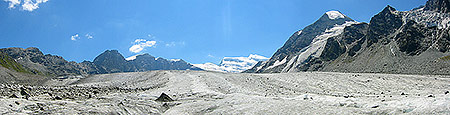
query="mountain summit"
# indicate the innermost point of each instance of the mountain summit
(410, 42)
(305, 44)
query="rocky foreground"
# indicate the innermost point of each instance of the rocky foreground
(197, 92)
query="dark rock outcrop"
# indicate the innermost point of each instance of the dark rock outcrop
(383, 24)
(164, 98)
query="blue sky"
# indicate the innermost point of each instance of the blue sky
(197, 31)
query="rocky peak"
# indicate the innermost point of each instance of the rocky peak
(384, 23)
(33, 50)
(388, 10)
(441, 6)
(111, 60)
(109, 56)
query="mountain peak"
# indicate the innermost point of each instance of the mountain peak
(233, 64)
(334, 15)
(110, 57)
(390, 8)
(331, 18)
(441, 6)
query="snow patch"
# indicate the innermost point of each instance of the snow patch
(335, 15)
(233, 64)
(317, 46)
(299, 32)
(132, 57)
(278, 62)
(175, 60)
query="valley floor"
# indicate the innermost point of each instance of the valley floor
(199, 92)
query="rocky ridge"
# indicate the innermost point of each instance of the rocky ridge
(32, 60)
(411, 42)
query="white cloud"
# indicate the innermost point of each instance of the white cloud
(74, 37)
(89, 36)
(28, 5)
(139, 40)
(12, 3)
(141, 44)
(151, 36)
(171, 44)
(209, 55)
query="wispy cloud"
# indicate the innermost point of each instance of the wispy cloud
(211, 56)
(88, 36)
(172, 44)
(78, 36)
(27, 5)
(151, 36)
(141, 44)
(12, 3)
(75, 37)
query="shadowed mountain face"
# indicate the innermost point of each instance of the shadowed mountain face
(442, 6)
(111, 61)
(31, 60)
(412, 42)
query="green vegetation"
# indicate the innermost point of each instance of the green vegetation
(8, 62)
(446, 58)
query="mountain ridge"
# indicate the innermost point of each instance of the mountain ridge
(408, 42)
(110, 61)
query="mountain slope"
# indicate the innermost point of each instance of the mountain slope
(34, 60)
(305, 44)
(412, 42)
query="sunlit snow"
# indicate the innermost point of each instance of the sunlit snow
(335, 15)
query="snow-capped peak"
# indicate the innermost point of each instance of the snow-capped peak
(233, 64)
(335, 15)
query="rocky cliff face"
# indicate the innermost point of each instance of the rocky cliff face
(441, 6)
(32, 60)
(412, 42)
